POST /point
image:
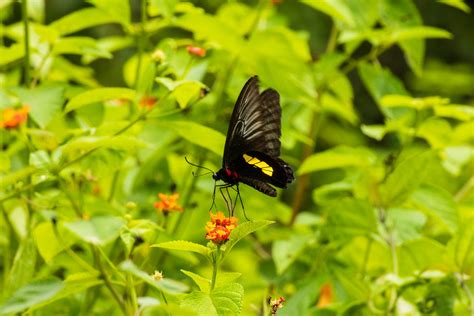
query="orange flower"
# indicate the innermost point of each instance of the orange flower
(219, 227)
(196, 51)
(326, 295)
(12, 117)
(147, 102)
(168, 203)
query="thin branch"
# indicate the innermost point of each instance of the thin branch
(24, 13)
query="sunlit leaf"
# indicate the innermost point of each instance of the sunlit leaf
(243, 230)
(198, 134)
(81, 19)
(184, 246)
(99, 230)
(99, 95)
(339, 157)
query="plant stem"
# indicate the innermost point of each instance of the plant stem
(106, 279)
(24, 13)
(215, 265)
(141, 40)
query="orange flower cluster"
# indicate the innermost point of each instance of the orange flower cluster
(168, 203)
(14, 117)
(219, 227)
(196, 51)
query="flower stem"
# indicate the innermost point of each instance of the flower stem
(24, 13)
(215, 266)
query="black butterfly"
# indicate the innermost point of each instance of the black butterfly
(252, 147)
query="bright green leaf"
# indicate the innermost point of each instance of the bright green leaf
(99, 230)
(81, 19)
(339, 157)
(99, 95)
(183, 245)
(198, 134)
(243, 230)
(44, 101)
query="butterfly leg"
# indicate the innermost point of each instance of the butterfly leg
(221, 190)
(213, 197)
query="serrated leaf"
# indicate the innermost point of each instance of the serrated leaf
(198, 134)
(166, 285)
(339, 157)
(224, 300)
(184, 246)
(99, 95)
(460, 248)
(243, 230)
(99, 230)
(31, 294)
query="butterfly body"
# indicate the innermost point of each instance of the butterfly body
(252, 148)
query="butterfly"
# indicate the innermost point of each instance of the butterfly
(252, 147)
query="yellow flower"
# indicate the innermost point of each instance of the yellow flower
(219, 227)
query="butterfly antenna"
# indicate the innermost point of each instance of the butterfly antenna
(198, 166)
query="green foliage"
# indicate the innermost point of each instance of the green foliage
(100, 105)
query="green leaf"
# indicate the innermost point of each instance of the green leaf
(333, 191)
(81, 19)
(23, 267)
(381, 82)
(285, 252)
(203, 283)
(44, 101)
(306, 294)
(337, 9)
(225, 300)
(338, 157)
(420, 255)
(460, 248)
(243, 230)
(401, 14)
(117, 9)
(406, 224)
(31, 294)
(394, 100)
(459, 112)
(166, 285)
(11, 54)
(73, 284)
(183, 245)
(437, 132)
(46, 241)
(349, 217)
(99, 230)
(210, 28)
(99, 95)
(198, 134)
(86, 143)
(419, 32)
(439, 203)
(15, 177)
(458, 4)
(186, 92)
(405, 179)
(78, 45)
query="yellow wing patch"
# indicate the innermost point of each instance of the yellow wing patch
(257, 163)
